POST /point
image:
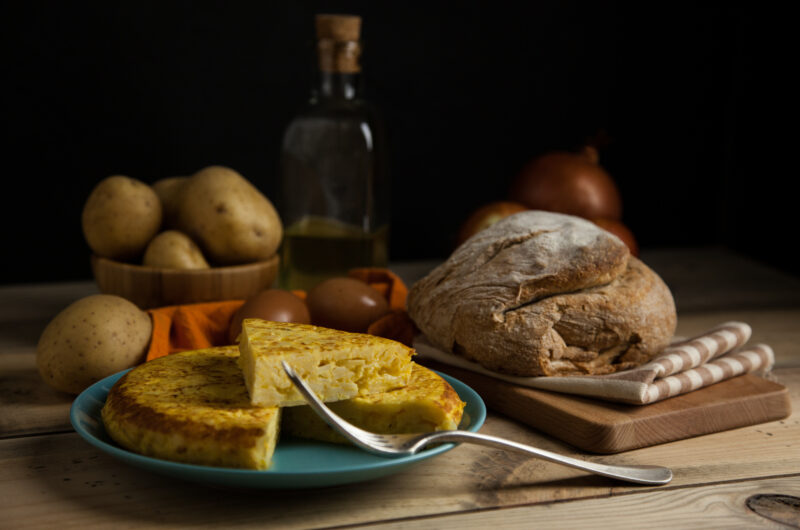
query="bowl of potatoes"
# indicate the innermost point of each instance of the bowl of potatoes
(207, 237)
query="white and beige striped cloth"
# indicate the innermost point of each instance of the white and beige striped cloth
(684, 366)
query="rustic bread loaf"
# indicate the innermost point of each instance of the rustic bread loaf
(542, 293)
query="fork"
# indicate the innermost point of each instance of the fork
(397, 445)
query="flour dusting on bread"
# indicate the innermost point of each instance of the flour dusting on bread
(542, 293)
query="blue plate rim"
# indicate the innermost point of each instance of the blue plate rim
(475, 408)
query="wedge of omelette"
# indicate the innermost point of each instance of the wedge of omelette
(428, 403)
(192, 407)
(338, 365)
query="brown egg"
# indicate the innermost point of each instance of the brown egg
(346, 304)
(272, 304)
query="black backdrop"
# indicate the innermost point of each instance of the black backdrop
(470, 91)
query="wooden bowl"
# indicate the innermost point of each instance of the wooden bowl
(155, 287)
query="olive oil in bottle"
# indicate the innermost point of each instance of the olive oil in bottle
(335, 205)
(316, 248)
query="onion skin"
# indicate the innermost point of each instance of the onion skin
(486, 216)
(568, 183)
(621, 231)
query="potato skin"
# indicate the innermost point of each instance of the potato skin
(169, 191)
(120, 217)
(174, 250)
(228, 217)
(92, 338)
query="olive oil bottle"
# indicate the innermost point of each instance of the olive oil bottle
(334, 198)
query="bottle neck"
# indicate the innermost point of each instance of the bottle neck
(338, 72)
(337, 86)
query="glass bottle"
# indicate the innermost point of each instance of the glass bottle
(335, 204)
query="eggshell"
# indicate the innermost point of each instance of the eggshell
(273, 304)
(346, 304)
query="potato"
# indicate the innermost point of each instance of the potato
(228, 217)
(92, 338)
(174, 250)
(120, 217)
(169, 192)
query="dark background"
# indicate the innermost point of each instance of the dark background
(692, 99)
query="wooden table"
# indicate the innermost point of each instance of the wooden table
(50, 477)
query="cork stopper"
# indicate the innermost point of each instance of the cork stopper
(340, 28)
(338, 46)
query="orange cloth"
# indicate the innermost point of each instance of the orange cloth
(197, 326)
(386, 282)
(190, 327)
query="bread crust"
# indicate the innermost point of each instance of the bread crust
(541, 293)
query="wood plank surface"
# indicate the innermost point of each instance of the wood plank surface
(60, 479)
(722, 506)
(52, 478)
(708, 279)
(28, 405)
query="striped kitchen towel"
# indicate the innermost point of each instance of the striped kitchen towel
(684, 366)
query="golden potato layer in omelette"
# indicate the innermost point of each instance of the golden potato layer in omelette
(192, 407)
(428, 403)
(337, 365)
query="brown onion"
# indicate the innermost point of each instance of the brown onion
(486, 216)
(568, 183)
(621, 231)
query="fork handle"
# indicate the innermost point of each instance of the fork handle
(653, 475)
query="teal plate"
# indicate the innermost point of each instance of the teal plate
(296, 463)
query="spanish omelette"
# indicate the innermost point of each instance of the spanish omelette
(428, 403)
(337, 365)
(192, 407)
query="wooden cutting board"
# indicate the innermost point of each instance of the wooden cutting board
(604, 427)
